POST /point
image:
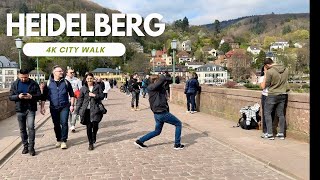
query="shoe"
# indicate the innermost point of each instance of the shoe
(137, 109)
(32, 152)
(178, 146)
(280, 136)
(25, 150)
(187, 111)
(58, 144)
(192, 112)
(132, 109)
(140, 144)
(73, 129)
(268, 136)
(264, 135)
(90, 147)
(64, 145)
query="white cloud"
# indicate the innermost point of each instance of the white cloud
(206, 11)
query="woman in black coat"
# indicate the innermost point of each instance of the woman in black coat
(90, 97)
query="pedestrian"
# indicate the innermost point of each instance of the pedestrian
(101, 83)
(58, 92)
(276, 82)
(264, 95)
(76, 86)
(106, 89)
(144, 85)
(25, 93)
(191, 89)
(160, 108)
(87, 108)
(134, 88)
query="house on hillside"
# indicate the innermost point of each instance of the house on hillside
(194, 65)
(34, 75)
(184, 56)
(212, 74)
(136, 46)
(297, 45)
(8, 72)
(271, 55)
(255, 50)
(109, 73)
(279, 45)
(186, 45)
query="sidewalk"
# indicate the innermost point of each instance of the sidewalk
(10, 134)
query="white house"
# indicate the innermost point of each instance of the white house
(279, 45)
(136, 46)
(186, 45)
(8, 72)
(297, 45)
(194, 65)
(255, 50)
(33, 75)
(184, 56)
(212, 74)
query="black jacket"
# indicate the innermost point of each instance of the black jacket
(24, 104)
(157, 95)
(84, 99)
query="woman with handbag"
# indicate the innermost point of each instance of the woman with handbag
(88, 107)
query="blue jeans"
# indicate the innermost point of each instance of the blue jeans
(160, 119)
(60, 122)
(277, 102)
(191, 99)
(26, 119)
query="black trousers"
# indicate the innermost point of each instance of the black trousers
(92, 128)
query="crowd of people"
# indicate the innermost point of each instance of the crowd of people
(71, 98)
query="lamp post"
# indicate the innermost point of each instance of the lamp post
(153, 54)
(173, 47)
(38, 78)
(19, 46)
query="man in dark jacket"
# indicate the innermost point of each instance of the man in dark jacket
(58, 91)
(26, 92)
(160, 108)
(191, 89)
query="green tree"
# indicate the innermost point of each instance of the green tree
(217, 27)
(185, 24)
(259, 60)
(23, 8)
(286, 30)
(225, 47)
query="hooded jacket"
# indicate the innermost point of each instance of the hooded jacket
(277, 80)
(157, 95)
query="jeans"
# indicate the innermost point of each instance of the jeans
(191, 99)
(160, 119)
(60, 122)
(135, 98)
(26, 119)
(264, 125)
(277, 102)
(144, 92)
(92, 128)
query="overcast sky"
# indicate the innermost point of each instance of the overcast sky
(206, 11)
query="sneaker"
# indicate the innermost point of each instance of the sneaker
(193, 112)
(137, 109)
(140, 144)
(64, 145)
(58, 144)
(90, 148)
(25, 150)
(264, 135)
(188, 111)
(73, 129)
(132, 109)
(268, 136)
(280, 136)
(178, 146)
(32, 152)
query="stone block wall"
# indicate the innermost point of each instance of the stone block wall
(226, 103)
(7, 107)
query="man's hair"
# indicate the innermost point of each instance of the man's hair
(268, 61)
(154, 78)
(24, 71)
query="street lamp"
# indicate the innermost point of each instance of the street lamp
(153, 54)
(38, 77)
(19, 46)
(173, 47)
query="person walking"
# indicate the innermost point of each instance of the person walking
(276, 82)
(76, 86)
(106, 89)
(134, 88)
(87, 107)
(191, 89)
(25, 93)
(145, 83)
(58, 92)
(160, 108)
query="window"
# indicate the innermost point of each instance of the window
(9, 79)
(9, 72)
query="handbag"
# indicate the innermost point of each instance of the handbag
(102, 109)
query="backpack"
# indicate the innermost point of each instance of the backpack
(255, 118)
(253, 124)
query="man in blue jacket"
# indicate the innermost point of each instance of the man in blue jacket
(26, 92)
(57, 92)
(160, 108)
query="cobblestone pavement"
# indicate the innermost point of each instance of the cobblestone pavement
(116, 157)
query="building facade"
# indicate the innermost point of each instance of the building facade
(212, 74)
(8, 72)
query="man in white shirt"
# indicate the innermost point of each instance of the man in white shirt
(76, 85)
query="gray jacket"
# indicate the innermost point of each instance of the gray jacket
(84, 99)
